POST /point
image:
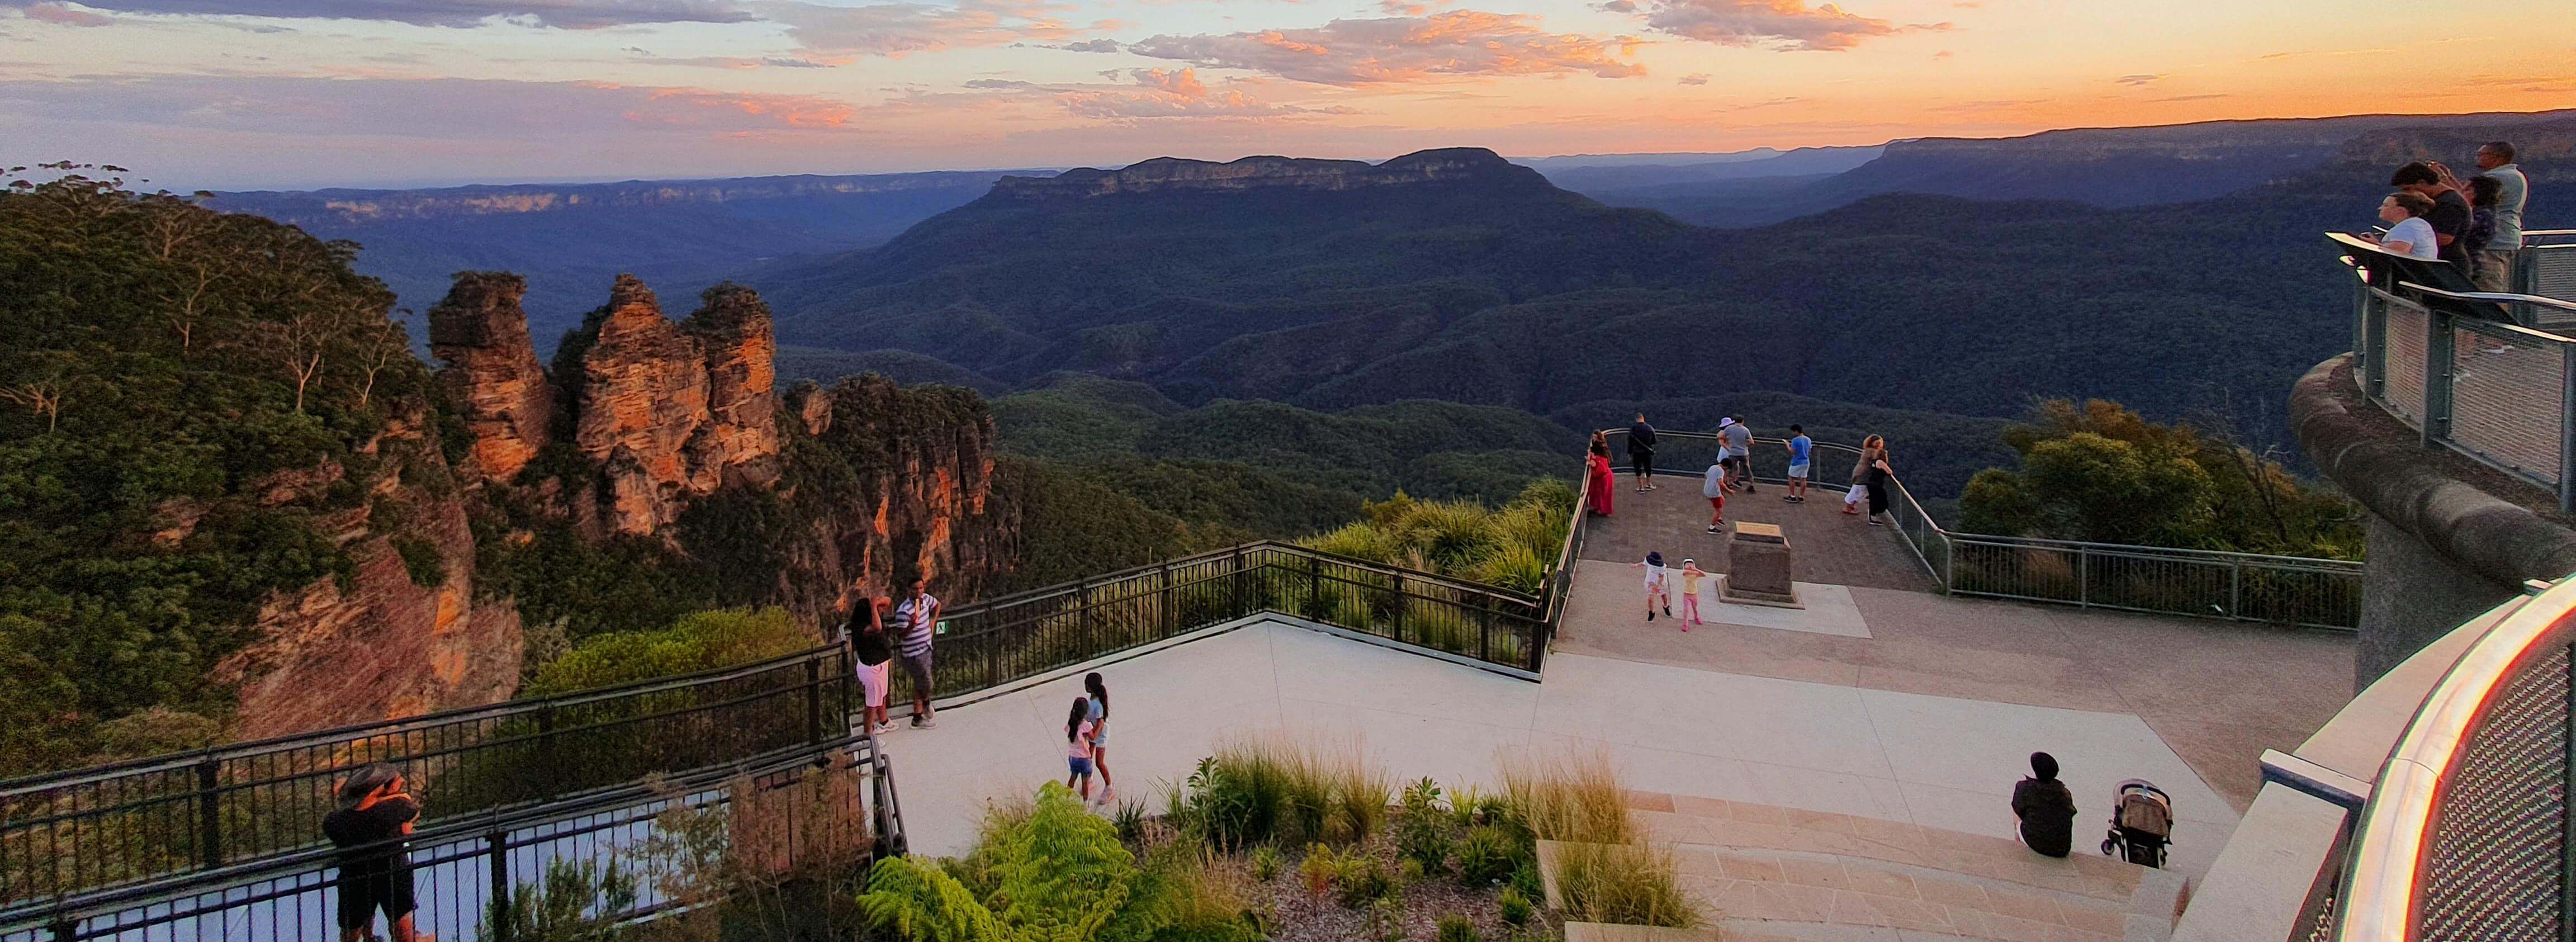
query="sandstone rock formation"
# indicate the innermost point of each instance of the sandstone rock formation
(671, 411)
(492, 373)
(384, 646)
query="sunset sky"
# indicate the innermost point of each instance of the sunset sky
(301, 93)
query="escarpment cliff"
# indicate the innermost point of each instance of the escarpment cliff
(673, 436)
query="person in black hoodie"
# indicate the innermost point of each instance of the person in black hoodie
(1641, 453)
(2045, 807)
(871, 651)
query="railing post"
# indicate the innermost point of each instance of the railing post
(210, 814)
(1315, 589)
(2236, 589)
(2567, 430)
(499, 842)
(1234, 587)
(2083, 577)
(1398, 620)
(813, 700)
(1082, 608)
(1169, 618)
(64, 929)
(2438, 367)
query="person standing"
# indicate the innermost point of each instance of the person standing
(2450, 214)
(2513, 195)
(1739, 451)
(1077, 747)
(2408, 234)
(1657, 591)
(1099, 698)
(2046, 809)
(918, 617)
(1879, 475)
(1713, 486)
(1603, 480)
(1641, 453)
(872, 653)
(375, 814)
(1801, 449)
(1691, 576)
(1869, 446)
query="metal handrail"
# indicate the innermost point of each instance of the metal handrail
(2382, 896)
(2500, 297)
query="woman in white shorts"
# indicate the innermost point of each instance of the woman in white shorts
(1869, 452)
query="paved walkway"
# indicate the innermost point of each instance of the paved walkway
(1936, 760)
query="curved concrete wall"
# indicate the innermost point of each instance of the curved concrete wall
(2441, 549)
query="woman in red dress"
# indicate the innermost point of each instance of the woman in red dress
(1600, 476)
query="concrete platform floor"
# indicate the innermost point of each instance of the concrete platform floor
(1831, 548)
(1944, 761)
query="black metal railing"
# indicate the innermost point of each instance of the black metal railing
(69, 832)
(994, 644)
(822, 808)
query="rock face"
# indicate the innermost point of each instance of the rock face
(492, 374)
(386, 646)
(1169, 174)
(924, 458)
(671, 411)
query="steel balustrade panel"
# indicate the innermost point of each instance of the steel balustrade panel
(2505, 400)
(2403, 390)
(2552, 270)
(2493, 868)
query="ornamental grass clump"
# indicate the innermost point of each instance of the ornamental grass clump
(1627, 884)
(1563, 797)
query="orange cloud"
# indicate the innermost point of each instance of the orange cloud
(1456, 44)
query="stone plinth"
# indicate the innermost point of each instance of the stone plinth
(1758, 567)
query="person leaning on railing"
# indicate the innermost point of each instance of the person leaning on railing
(375, 872)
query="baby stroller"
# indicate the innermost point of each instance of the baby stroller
(2141, 823)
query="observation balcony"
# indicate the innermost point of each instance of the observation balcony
(2453, 423)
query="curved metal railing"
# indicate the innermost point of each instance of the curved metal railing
(2466, 834)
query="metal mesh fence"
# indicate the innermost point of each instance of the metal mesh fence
(2504, 400)
(2498, 847)
(2551, 270)
(2402, 390)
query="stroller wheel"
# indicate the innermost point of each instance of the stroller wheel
(2107, 844)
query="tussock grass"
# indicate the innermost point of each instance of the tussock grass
(1300, 792)
(1627, 884)
(1569, 796)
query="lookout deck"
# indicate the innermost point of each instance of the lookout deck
(2217, 692)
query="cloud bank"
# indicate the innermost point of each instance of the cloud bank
(1459, 43)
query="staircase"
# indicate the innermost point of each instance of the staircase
(1774, 874)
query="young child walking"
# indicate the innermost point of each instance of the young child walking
(1100, 735)
(1713, 486)
(1658, 595)
(1691, 576)
(1077, 750)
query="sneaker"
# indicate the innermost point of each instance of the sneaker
(1875, 523)
(1668, 611)
(1650, 614)
(1650, 487)
(922, 722)
(1712, 529)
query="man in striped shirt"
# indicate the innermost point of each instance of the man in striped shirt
(914, 622)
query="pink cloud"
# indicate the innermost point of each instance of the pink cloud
(64, 15)
(1782, 24)
(1456, 44)
(894, 29)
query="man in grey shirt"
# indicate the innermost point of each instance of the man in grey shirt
(1739, 450)
(2495, 265)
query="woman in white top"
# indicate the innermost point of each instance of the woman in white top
(2408, 234)
(1657, 595)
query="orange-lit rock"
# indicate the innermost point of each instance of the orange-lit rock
(492, 373)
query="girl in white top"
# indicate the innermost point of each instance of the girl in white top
(1657, 595)
(2408, 234)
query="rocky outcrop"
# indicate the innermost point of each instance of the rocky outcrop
(381, 644)
(924, 507)
(492, 373)
(671, 411)
(1172, 174)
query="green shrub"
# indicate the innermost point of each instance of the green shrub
(1266, 863)
(1516, 907)
(702, 641)
(1422, 830)
(420, 560)
(576, 902)
(1364, 884)
(1129, 819)
(1456, 928)
(1526, 880)
(1487, 854)
(1054, 871)
(1323, 867)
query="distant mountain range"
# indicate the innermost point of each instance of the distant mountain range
(2110, 167)
(571, 239)
(2172, 268)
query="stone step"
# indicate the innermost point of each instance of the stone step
(1785, 871)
